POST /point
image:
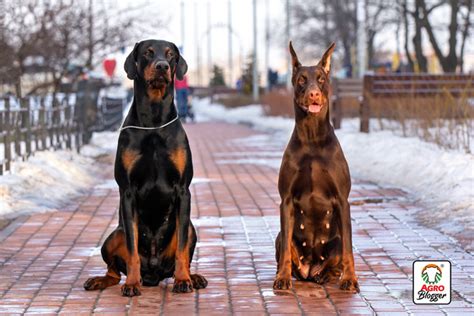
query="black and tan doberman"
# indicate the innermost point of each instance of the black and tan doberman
(155, 238)
(315, 241)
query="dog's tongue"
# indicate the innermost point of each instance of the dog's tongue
(314, 108)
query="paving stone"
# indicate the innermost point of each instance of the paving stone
(45, 260)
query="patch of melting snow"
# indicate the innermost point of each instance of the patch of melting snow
(109, 184)
(272, 163)
(277, 154)
(95, 252)
(202, 180)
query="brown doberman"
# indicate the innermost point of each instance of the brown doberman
(155, 238)
(315, 241)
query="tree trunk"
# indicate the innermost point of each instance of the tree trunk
(449, 62)
(405, 25)
(370, 48)
(465, 32)
(90, 38)
(418, 41)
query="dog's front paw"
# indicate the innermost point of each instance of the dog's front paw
(199, 282)
(100, 282)
(282, 283)
(349, 284)
(131, 290)
(321, 278)
(182, 286)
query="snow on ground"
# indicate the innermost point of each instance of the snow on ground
(50, 179)
(441, 179)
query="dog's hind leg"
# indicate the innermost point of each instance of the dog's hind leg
(323, 272)
(112, 249)
(299, 269)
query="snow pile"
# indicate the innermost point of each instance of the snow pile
(49, 179)
(251, 114)
(102, 143)
(439, 178)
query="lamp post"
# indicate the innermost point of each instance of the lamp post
(255, 63)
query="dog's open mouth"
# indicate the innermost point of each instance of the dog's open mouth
(315, 108)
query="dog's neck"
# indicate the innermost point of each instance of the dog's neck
(312, 128)
(152, 112)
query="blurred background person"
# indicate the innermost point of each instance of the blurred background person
(182, 93)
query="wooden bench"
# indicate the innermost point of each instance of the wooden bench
(344, 92)
(397, 86)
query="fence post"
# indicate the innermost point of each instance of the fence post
(55, 143)
(8, 148)
(365, 104)
(77, 126)
(337, 112)
(17, 135)
(27, 123)
(67, 118)
(35, 122)
(42, 123)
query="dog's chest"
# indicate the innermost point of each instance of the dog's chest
(153, 169)
(315, 232)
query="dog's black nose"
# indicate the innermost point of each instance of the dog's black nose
(162, 65)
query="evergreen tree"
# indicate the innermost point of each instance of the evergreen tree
(217, 78)
(247, 76)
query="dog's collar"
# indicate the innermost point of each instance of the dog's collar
(149, 128)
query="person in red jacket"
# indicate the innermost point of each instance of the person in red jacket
(182, 93)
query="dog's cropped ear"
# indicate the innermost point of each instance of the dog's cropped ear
(325, 61)
(294, 59)
(130, 65)
(182, 66)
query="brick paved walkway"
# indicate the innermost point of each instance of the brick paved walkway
(45, 259)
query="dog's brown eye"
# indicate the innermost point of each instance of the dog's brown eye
(321, 80)
(149, 53)
(301, 80)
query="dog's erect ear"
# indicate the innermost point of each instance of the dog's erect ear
(294, 59)
(182, 66)
(325, 61)
(130, 65)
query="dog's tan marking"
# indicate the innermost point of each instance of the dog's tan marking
(170, 250)
(156, 94)
(130, 158)
(178, 157)
(133, 259)
(149, 72)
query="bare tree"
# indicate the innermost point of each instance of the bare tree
(49, 37)
(450, 61)
(326, 21)
(380, 13)
(404, 11)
